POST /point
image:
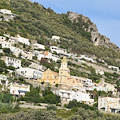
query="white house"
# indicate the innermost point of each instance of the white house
(16, 51)
(5, 11)
(51, 56)
(11, 61)
(21, 39)
(106, 86)
(86, 82)
(5, 44)
(79, 96)
(109, 104)
(38, 46)
(87, 58)
(55, 38)
(19, 89)
(12, 41)
(3, 80)
(29, 73)
(45, 54)
(100, 72)
(27, 55)
(36, 66)
(1, 51)
(39, 56)
(114, 68)
(58, 50)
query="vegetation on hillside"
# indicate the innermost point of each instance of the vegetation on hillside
(47, 96)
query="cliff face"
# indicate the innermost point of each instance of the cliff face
(96, 38)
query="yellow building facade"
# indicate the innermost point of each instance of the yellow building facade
(50, 77)
(62, 78)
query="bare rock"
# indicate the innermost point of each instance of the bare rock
(96, 38)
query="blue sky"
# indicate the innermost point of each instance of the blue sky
(104, 13)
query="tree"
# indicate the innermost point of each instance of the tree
(0, 46)
(32, 96)
(56, 85)
(19, 56)
(42, 82)
(50, 97)
(3, 67)
(35, 57)
(47, 91)
(24, 46)
(7, 98)
(6, 50)
(31, 115)
(11, 68)
(25, 63)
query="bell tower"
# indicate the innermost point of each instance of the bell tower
(64, 72)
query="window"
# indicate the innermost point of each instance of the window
(47, 76)
(61, 72)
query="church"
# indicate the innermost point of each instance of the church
(62, 78)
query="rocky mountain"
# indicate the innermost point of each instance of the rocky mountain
(96, 37)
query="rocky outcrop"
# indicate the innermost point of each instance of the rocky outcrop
(96, 38)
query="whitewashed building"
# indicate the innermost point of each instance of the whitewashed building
(100, 72)
(27, 55)
(86, 82)
(16, 51)
(36, 66)
(39, 56)
(58, 50)
(79, 96)
(109, 104)
(55, 38)
(45, 54)
(12, 41)
(114, 68)
(38, 46)
(53, 57)
(21, 39)
(87, 58)
(106, 86)
(5, 11)
(11, 61)
(5, 44)
(19, 89)
(29, 73)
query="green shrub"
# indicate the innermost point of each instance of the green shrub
(52, 107)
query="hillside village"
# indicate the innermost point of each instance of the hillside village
(35, 75)
(71, 76)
